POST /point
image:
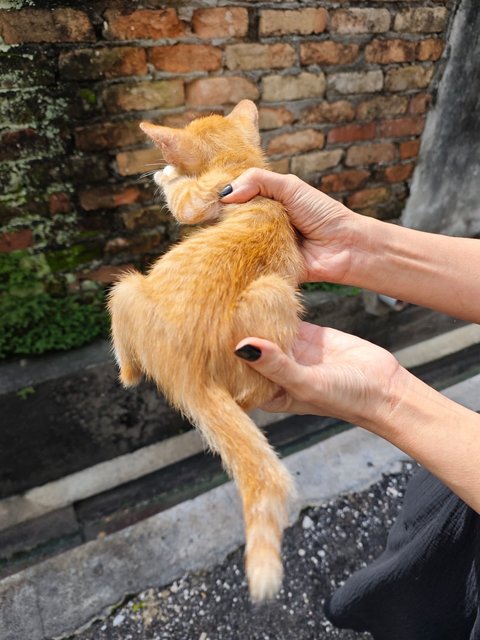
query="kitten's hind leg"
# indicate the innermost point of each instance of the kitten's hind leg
(120, 304)
(130, 375)
(269, 308)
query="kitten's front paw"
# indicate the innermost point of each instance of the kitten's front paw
(169, 170)
(165, 176)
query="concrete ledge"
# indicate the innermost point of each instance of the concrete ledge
(439, 346)
(93, 480)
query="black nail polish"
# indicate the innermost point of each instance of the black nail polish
(225, 191)
(248, 352)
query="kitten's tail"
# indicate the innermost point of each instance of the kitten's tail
(264, 484)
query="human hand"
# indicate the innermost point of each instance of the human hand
(323, 222)
(330, 373)
(334, 374)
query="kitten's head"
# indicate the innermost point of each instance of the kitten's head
(211, 140)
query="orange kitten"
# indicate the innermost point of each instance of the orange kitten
(179, 324)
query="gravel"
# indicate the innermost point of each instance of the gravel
(320, 551)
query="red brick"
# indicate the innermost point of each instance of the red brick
(273, 118)
(353, 21)
(108, 135)
(140, 96)
(259, 56)
(421, 20)
(390, 51)
(142, 24)
(184, 58)
(399, 172)
(220, 22)
(281, 88)
(312, 163)
(344, 181)
(340, 111)
(281, 165)
(59, 202)
(107, 273)
(420, 103)
(152, 216)
(352, 133)
(368, 197)
(14, 144)
(409, 149)
(407, 78)
(382, 106)
(220, 90)
(130, 163)
(430, 49)
(105, 63)
(328, 52)
(275, 22)
(180, 120)
(117, 245)
(93, 165)
(108, 197)
(400, 127)
(138, 243)
(16, 240)
(38, 25)
(378, 153)
(297, 141)
(356, 81)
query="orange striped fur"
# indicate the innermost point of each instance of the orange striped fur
(179, 324)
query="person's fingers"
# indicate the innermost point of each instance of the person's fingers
(254, 182)
(269, 360)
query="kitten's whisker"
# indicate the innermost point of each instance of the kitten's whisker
(146, 174)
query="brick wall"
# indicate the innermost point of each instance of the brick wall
(342, 87)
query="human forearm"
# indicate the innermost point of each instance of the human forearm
(440, 434)
(340, 246)
(439, 272)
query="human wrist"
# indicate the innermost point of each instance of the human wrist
(390, 404)
(364, 238)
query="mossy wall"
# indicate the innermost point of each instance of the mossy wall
(342, 90)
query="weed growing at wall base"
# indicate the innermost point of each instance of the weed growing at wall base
(35, 320)
(330, 287)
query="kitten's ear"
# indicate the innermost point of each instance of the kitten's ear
(245, 109)
(170, 141)
(247, 113)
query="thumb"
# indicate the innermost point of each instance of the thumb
(269, 360)
(251, 183)
(242, 189)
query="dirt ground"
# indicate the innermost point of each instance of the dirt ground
(320, 551)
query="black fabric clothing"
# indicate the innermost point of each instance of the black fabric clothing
(425, 585)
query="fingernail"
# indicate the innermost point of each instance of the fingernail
(225, 191)
(248, 352)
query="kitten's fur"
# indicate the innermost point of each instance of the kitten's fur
(179, 325)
